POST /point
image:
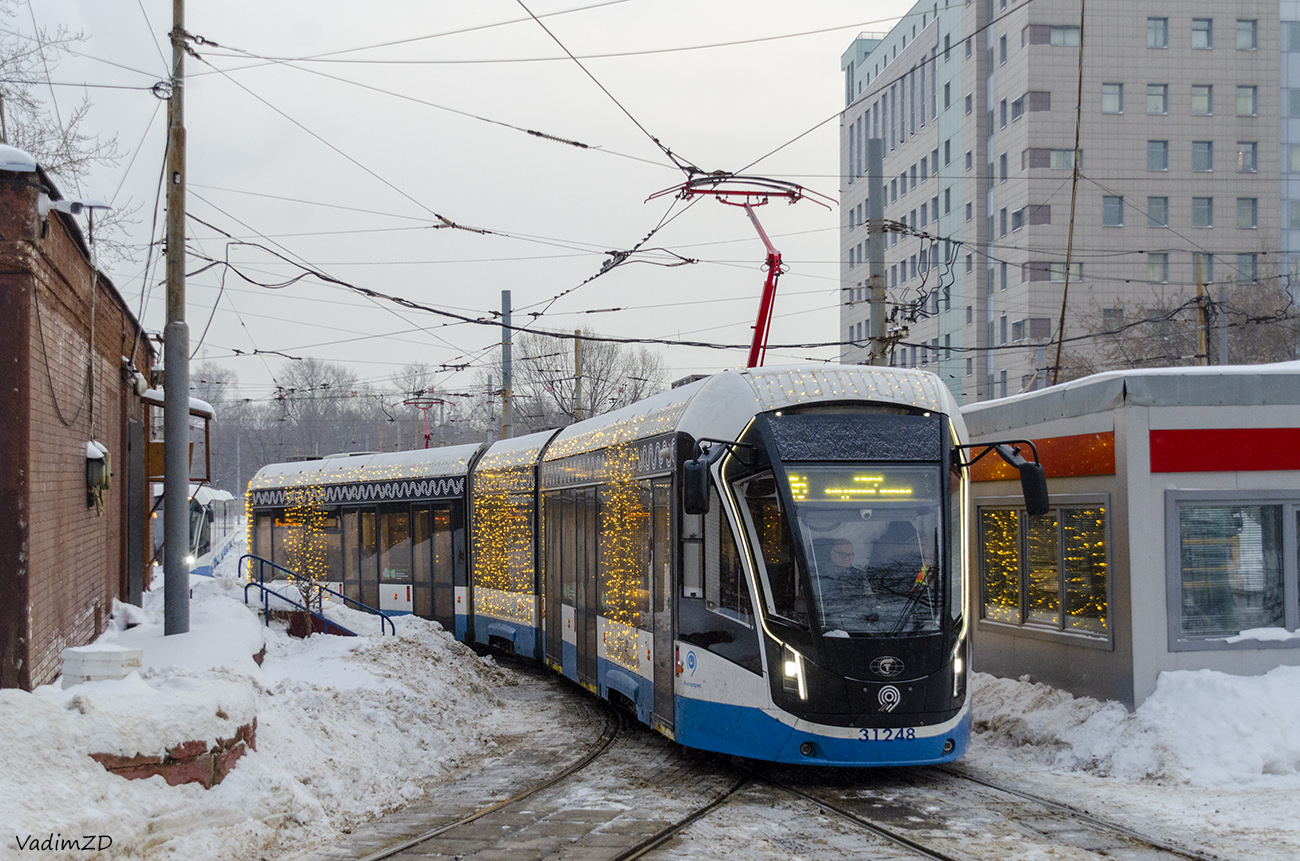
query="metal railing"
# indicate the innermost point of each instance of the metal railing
(296, 579)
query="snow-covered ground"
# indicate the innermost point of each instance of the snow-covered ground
(350, 728)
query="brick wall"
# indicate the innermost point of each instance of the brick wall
(61, 562)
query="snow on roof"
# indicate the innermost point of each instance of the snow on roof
(420, 463)
(790, 386)
(198, 406)
(516, 451)
(654, 415)
(1214, 385)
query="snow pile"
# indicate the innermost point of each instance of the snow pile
(347, 728)
(1200, 727)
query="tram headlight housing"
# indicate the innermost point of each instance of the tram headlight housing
(958, 672)
(793, 679)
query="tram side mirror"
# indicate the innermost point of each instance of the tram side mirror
(695, 486)
(212, 515)
(1033, 481)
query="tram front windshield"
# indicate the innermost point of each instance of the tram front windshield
(869, 537)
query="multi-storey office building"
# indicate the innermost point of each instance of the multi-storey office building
(1181, 166)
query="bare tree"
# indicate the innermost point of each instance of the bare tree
(545, 383)
(55, 135)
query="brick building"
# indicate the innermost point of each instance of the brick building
(65, 552)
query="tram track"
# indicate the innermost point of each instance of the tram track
(616, 725)
(1082, 815)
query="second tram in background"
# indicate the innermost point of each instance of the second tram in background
(768, 563)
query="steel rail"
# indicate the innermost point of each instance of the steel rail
(863, 822)
(1116, 828)
(661, 837)
(615, 725)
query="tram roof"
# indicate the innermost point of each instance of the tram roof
(705, 405)
(350, 469)
(1213, 386)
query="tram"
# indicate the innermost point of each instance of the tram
(215, 521)
(771, 563)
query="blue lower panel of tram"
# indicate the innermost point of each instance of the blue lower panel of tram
(753, 733)
(638, 689)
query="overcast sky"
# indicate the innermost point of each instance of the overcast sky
(412, 111)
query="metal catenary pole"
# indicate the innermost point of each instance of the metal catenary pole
(176, 339)
(876, 246)
(507, 372)
(577, 375)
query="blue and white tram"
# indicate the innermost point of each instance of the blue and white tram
(768, 563)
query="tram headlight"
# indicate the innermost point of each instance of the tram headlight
(793, 680)
(190, 560)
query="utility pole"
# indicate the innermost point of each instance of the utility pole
(507, 372)
(176, 357)
(577, 375)
(876, 246)
(1202, 329)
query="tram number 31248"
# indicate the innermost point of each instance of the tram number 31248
(902, 733)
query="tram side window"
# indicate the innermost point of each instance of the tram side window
(725, 591)
(1045, 572)
(624, 558)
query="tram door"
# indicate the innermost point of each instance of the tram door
(553, 511)
(588, 594)
(368, 553)
(662, 591)
(444, 565)
(432, 564)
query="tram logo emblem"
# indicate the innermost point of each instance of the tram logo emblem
(889, 698)
(887, 666)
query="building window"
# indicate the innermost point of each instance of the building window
(1157, 32)
(1202, 100)
(1048, 571)
(1247, 101)
(1112, 211)
(1247, 212)
(1002, 167)
(1056, 272)
(970, 159)
(970, 210)
(1017, 219)
(1203, 33)
(1017, 109)
(1293, 101)
(1246, 268)
(1002, 114)
(1062, 159)
(1202, 267)
(1064, 36)
(1202, 212)
(970, 103)
(1157, 212)
(1247, 156)
(1112, 98)
(1202, 156)
(1002, 50)
(1158, 267)
(1157, 98)
(1247, 35)
(1227, 566)
(1157, 155)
